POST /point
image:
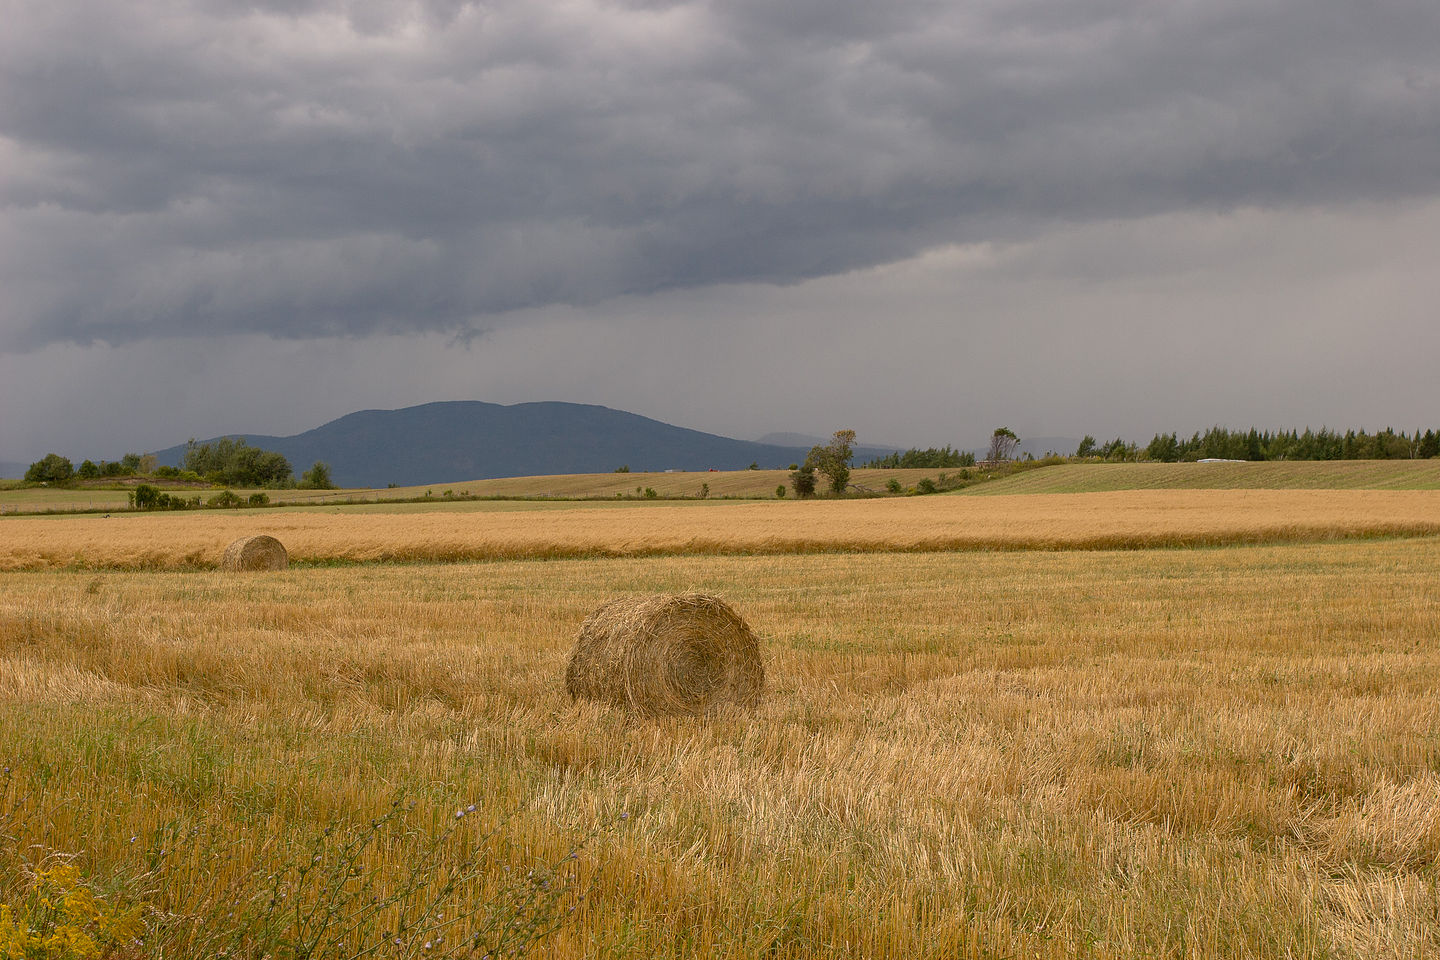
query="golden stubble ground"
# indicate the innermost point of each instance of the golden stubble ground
(507, 530)
(1160, 753)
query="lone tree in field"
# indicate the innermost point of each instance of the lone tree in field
(51, 468)
(802, 478)
(834, 458)
(317, 477)
(1002, 444)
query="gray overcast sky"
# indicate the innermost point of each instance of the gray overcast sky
(917, 218)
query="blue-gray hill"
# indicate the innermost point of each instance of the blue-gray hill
(470, 440)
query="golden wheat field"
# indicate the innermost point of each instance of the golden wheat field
(1202, 751)
(507, 530)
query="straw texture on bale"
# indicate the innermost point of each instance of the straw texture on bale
(255, 553)
(686, 654)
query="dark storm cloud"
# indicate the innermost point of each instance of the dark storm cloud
(333, 168)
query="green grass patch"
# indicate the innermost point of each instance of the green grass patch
(1292, 475)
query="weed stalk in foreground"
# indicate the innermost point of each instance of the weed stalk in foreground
(387, 888)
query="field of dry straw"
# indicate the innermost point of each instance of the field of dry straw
(507, 530)
(1198, 751)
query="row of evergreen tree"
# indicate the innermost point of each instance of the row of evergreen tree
(931, 457)
(1226, 444)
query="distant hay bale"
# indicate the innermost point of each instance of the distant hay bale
(686, 654)
(255, 553)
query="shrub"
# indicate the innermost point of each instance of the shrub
(704, 491)
(625, 468)
(258, 500)
(148, 497)
(224, 500)
(650, 493)
(780, 492)
(893, 485)
(926, 485)
(62, 917)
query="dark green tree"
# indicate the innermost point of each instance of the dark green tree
(51, 468)
(1002, 444)
(317, 477)
(1087, 448)
(1118, 449)
(833, 459)
(931, 457)
(1164, 448)
(1429, 445)
(145, 497)
(235, 463)
(88, 470)
(802, 480)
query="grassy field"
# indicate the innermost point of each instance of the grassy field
(1297, 475)
(1229, 752)
(750, 484)
(761, 484)
(502, 530)
(43, 499)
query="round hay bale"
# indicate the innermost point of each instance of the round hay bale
(255, 553)
(686, 654)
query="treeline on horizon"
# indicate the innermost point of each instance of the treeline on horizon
(1222, 443)
(225, 462)
(930, 457)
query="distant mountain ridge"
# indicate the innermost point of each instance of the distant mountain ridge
(457, 440)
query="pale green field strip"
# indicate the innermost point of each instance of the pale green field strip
(1294, 475)
(748, 484)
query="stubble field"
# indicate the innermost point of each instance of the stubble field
(525, 530)
(1159, 751)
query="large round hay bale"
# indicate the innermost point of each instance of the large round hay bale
(686, 654)
(255, 553)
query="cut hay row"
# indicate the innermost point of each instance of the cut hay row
(1129, 520)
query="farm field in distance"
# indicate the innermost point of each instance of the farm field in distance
(753, 484)
(987, 733)
(1258, 475)
(761, 484)
(502, 530)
